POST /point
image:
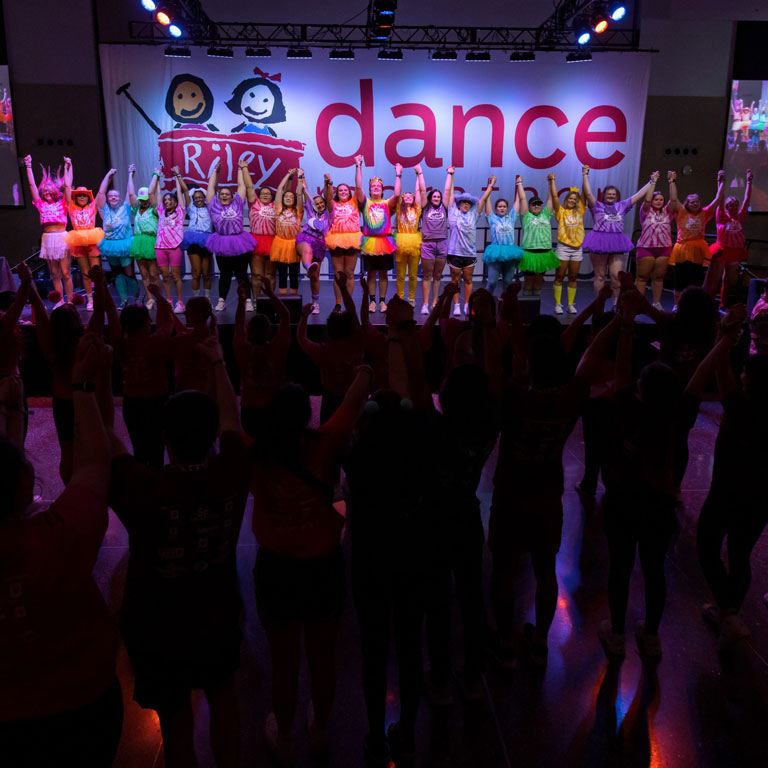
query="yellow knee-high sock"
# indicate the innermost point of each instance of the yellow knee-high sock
(559, 293)
(571, 293)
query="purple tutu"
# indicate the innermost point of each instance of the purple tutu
(607, 242)
(317, 244)
(230, 245)
(194, 237)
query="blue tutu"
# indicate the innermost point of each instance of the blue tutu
(115, 249)
(194, 237)
(494, 252)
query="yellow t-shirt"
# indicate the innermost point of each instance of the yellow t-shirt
(570, 225)
(408, 219)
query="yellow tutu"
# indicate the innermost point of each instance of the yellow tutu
(343, 240)
(408, 244)
(696, 251)
(283, 251)
(82, 238)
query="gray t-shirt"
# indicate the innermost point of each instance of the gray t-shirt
(463, 237)
(434, 222)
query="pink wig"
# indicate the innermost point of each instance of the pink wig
(50, 183)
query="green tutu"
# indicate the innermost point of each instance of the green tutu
(539, 262)
(143, 246)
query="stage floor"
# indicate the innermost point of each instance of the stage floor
(584, 296)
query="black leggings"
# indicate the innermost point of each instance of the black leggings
(143, 419)
(687, 273)
(86, 737)
(382, 597)
(464, 568)
(742, 522)
(286, 271)
(596, 425)
(229, 265)
(635, 524)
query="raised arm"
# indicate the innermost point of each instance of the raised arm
(40, 316)
(448, 193)
(346, 298)
(590, 198)
(154, 186)
(101, 195)
(328, 193)
(178, 190)
(182, 184)
(283, 315)
(96, 323)
(674, 203)
(359, 191)
(281, 187)
(420, 195)
(357, 392)
(747, 194)
(11, 317)
(487, 194)
(393, 201)
(595, 307)
(643, 191)
(553, 198)
(250, 192)
(213, 182)
(720, 192)
(31, 178)
(130, 190)
(242, 169)
(68, 174)
(223, 393)
(520, 195)
(300, 194)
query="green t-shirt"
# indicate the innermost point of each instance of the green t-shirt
(537, 231)
(145, 223)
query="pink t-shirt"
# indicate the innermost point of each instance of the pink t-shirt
(262, 218)
(83, 218)
(170, 227)
(51, 213)
(346, 217)
(730, 233)
(656, 228)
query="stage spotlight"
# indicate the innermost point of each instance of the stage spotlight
(163, 18)
(599, 23)
(582, 32)
(478, 56)
(299, 53)
(578, 57)
(177, 52)
(384, 7)
(257, 53)
(342, 54)
(444, 55)
(218, 52)
(521, 56)
(174, 30)
(390, 54)
(617, 11)
(148, 5)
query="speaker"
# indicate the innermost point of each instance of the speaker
(293, 303)
(530, 307)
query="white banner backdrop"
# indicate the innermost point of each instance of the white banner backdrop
(275, 113)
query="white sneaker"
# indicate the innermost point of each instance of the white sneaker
(412, 302)
(466, 309)
(249, 305)
(558, 309)
(150, 302)
(315, 308)
(59, 303)
(572, 310)
(658, 306)
(179, 308)
(424, 309)
(456, 310)
(89, 306)
(613, 644)
(382, 306)
(372, 306)
(221, 305)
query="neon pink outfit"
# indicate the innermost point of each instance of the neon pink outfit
(51, 213)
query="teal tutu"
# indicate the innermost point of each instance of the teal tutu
(495, 252)
(540, 262)
(115, 249)
(143, 246)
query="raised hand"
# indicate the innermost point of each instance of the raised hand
(242, 292)
(450, 169)
(671, 176)
(492, 181)
(112, 172)
(67, 162)
(585, 170)
(626, 281)
(131, 169)
(175, 170)
(341, 279)
(266, 286)
(327, 179)
(96, 274)
(451, 289)
(23, 271)
(749, 175)
(721, 177)
(364, 284)
(655, 177)
(518, 179)
(605, 292)
(28, 161)
(156, 291)
(417, 169)
(398, 168)
(550, 177)
(242, 164)
(306, 310)
(359, 160)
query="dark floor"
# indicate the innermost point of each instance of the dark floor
(584, 296)
(697, 709)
